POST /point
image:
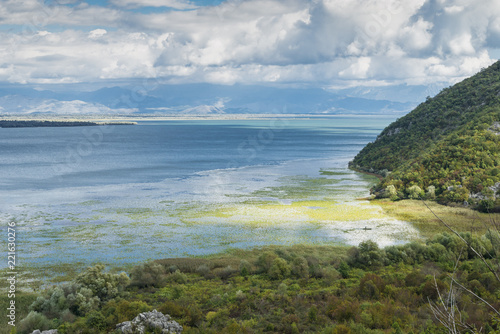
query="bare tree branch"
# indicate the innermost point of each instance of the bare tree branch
(475, 295)
(494, 272)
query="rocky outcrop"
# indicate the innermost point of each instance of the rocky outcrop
(495, 193)
(495, 128)
(150, 320)
(50, 331)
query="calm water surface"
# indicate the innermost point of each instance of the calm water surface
(123, 194)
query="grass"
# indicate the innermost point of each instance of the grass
(460, 218)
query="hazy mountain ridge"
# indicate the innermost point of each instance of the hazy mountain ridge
(195, 99)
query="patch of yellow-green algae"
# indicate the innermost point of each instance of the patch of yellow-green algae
(298, 211)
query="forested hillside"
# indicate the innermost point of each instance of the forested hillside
(448, 148)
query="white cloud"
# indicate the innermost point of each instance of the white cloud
(329, 42)
(358, 70)
(417, 36)
(462, 45)
(176, 4)
(454, 9)
(94, 34)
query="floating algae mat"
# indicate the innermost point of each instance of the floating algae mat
(298, 211)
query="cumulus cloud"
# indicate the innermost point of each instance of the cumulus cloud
(97, 33)
(331, 42)
(176, 4)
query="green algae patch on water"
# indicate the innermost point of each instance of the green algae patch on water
(273, 212)
(334, 172)
(298, 187)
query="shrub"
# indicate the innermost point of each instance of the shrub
(265, 261)
(315, 269)
(177, 277)
(300, 267)
(279, 269)
(366, 255)
(341, 329)
(123, 310)
(391, 192)
(149, 274)
(454, 195)
(431, 192)
(92, 288)
(283, 289)
(486, 205)
(96, 320)
(203, 270)
(172, 309)
(226, 272)
(415, 192)
(34, 321)
(344, 269)
(371, 286)
(344, 310)
(312, 315)
(245, 268)
(103, 285)
(431, 289)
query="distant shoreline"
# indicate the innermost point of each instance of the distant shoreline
(54, 123)
(132, 118)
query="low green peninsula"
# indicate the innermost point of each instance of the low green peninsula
(47, 123)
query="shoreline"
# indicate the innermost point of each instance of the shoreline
(378, 176)
(175, 117)
(8, 124)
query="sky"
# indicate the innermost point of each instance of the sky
(324, 43)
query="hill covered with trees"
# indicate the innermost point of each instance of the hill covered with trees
(448, 148)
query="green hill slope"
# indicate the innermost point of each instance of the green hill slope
(447, 148)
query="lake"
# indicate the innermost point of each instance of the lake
(129, 193)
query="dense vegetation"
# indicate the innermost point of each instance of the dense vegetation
(448, 148)
(299, 289)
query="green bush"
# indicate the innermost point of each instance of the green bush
(96, 320)
(455, 195)
(34, 321)
(265, 261)
(431, 192)
(245, 268)
(148, 274)
(203, 270)
(391, 192)
(103, 285)
(300, 267)
(344, 269)
(279, 269)
(367, 255)
(177, 277)
(415, 192)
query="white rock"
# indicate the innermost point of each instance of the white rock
(153, 319)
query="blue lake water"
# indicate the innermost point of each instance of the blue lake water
(123, 194)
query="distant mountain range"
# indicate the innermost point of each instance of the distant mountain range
(208, 99)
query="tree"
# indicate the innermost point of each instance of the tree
(279, 269)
